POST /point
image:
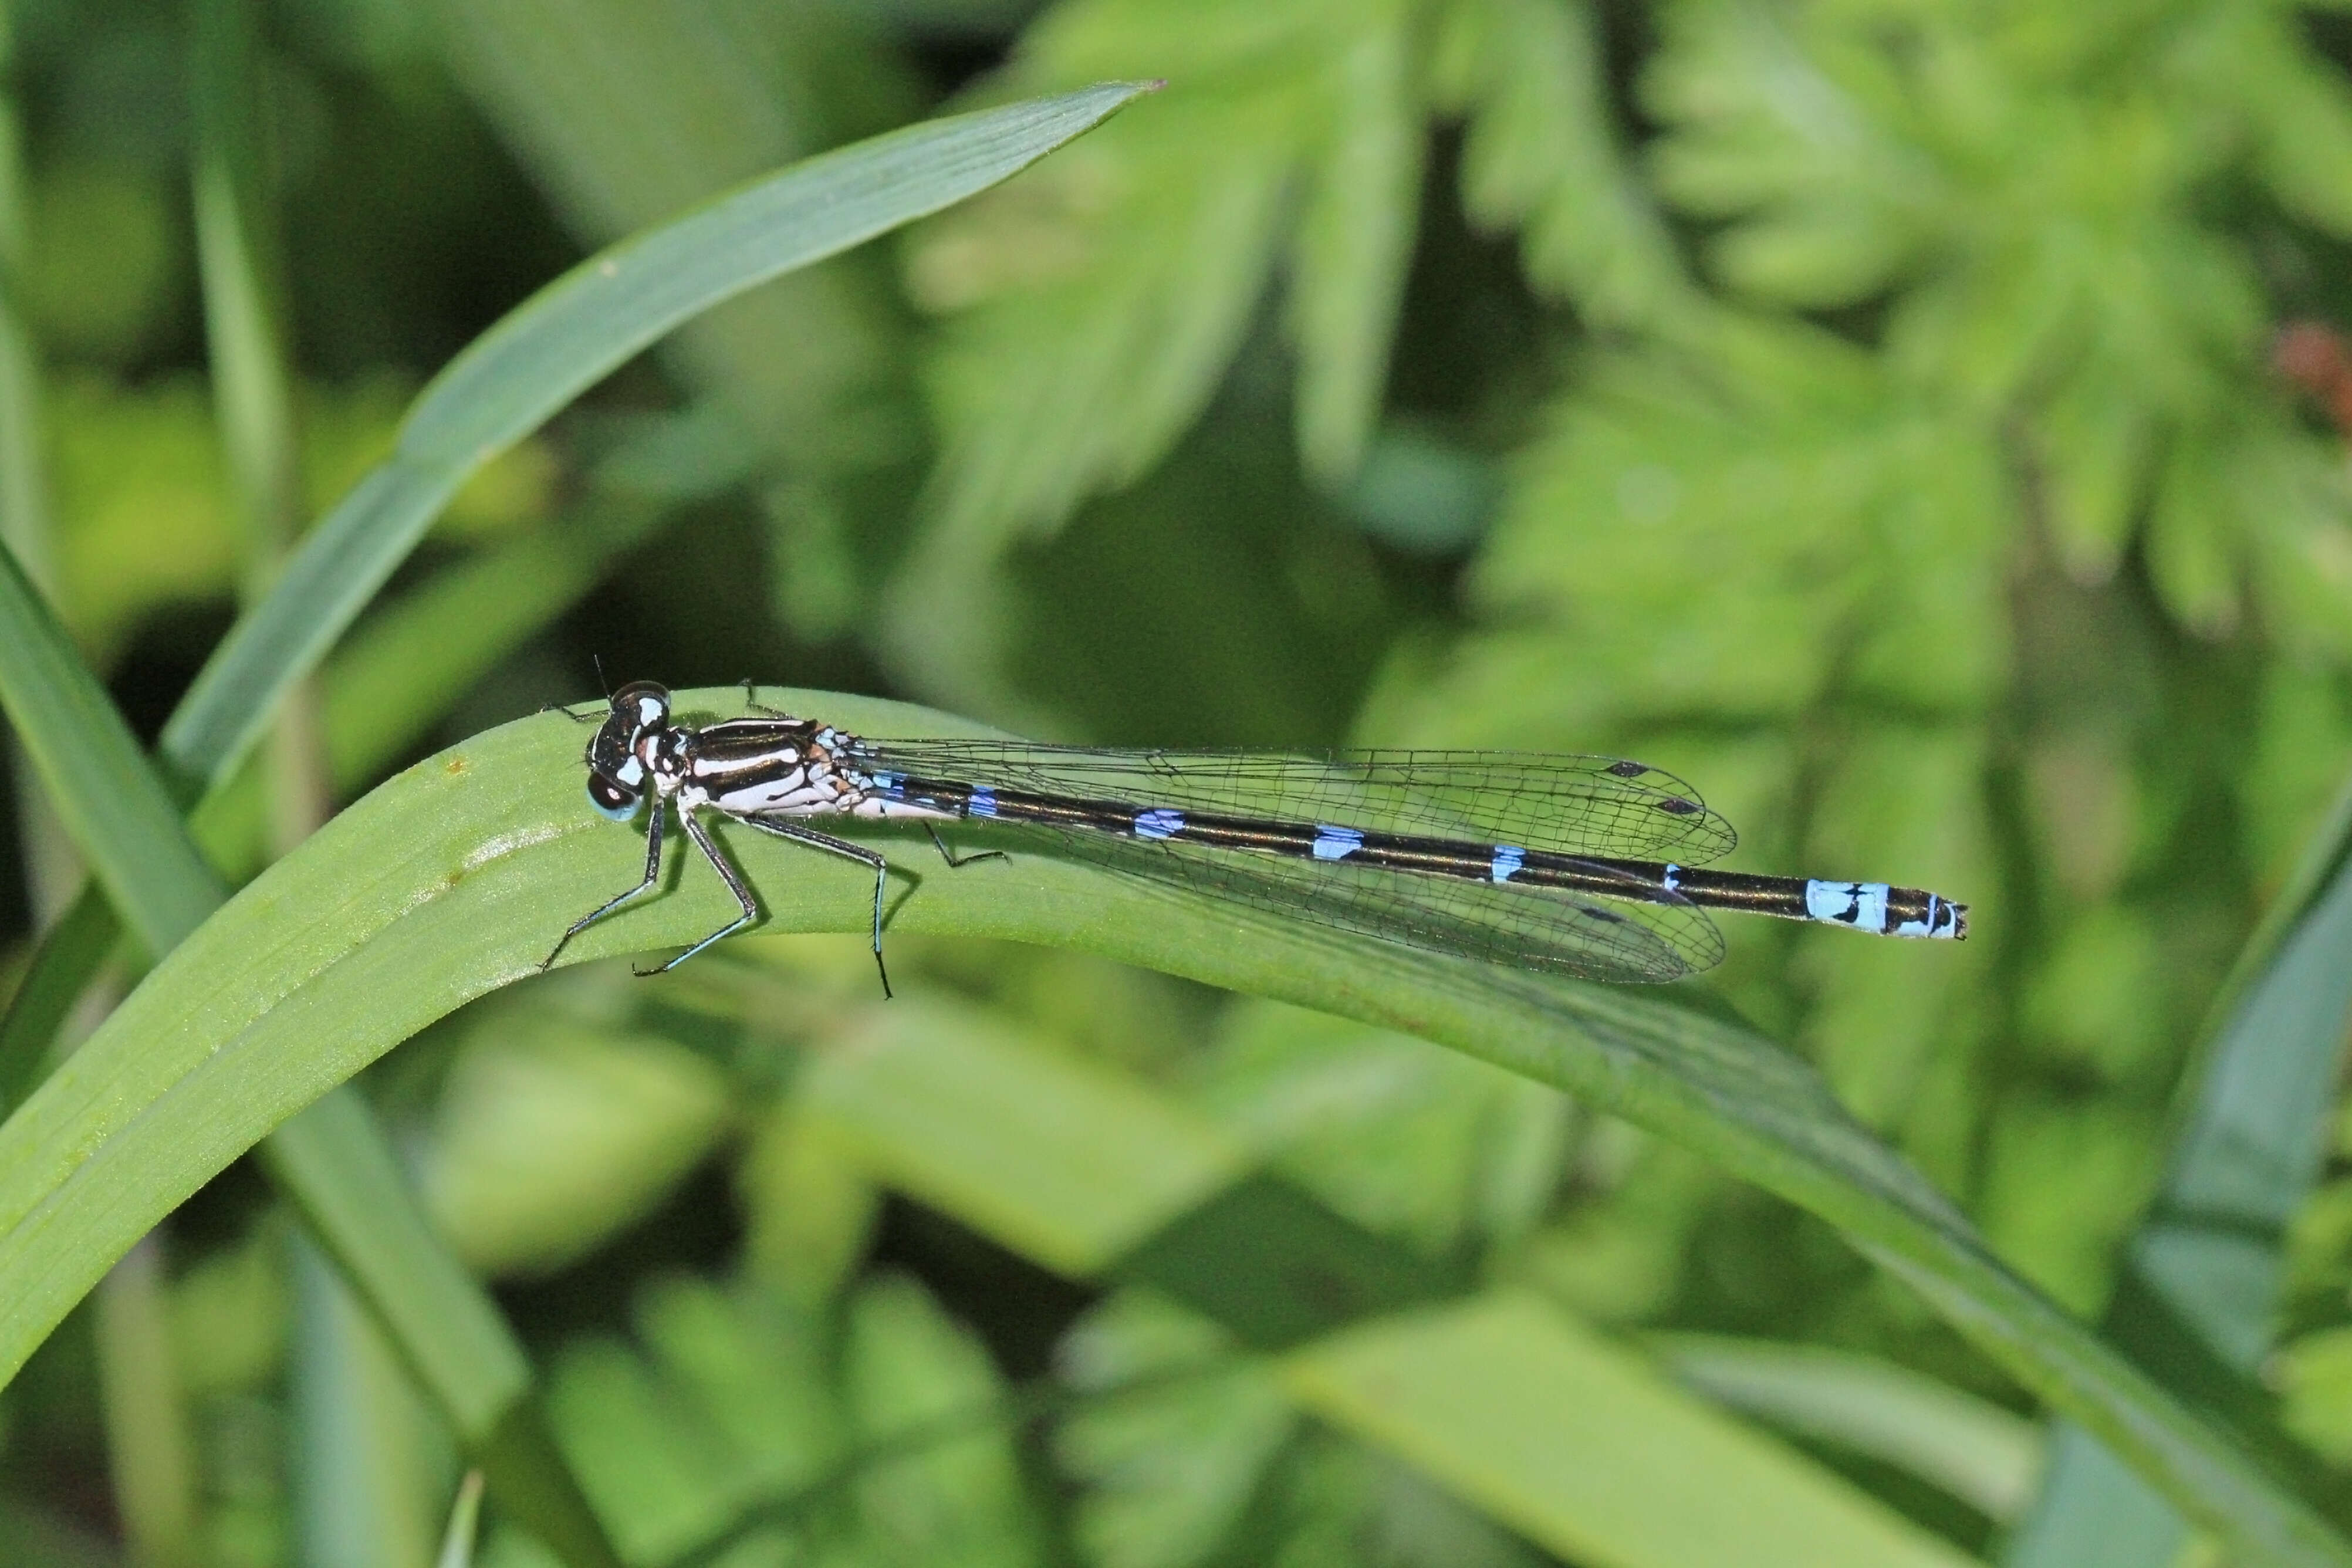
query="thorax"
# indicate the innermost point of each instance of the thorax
(785, 766)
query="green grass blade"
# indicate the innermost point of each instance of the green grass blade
(625, 112)
(239, 267)
(1066, 1161)
(457, 1544)
(540, 356)
(361, 1460)
(349, 1185)
(152, 1459)
(23, 480)
(130, 829)
(392, 680)
(383, 689)
(110, 801)
(1979, 1452)
(1578, 1445)
(453, 879)
(69, 955)
(1091, 1171)
(333, 1161)
(2206, 1262)
(569, 336)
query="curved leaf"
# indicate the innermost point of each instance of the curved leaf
(453, 878)
(1550, 1427)
(569, 336)
(2202, 1275)
(119, 809)
(111, 802)
(331, 1159)
(1985, 1456)
(536, 359)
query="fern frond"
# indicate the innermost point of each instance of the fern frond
(1541, 156)
(1289, 126)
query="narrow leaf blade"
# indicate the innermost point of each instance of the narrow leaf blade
(569, 336)
(452, 879)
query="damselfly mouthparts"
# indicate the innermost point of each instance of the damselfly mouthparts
(1579, 866)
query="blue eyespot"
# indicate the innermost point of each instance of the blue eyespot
(612, 799)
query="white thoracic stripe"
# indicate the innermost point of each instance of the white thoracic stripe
(795, 793)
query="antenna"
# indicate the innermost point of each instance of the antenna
(602, 678)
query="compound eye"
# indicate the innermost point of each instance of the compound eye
(613, 800)
(643, 704)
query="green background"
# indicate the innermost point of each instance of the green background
(1918, 425)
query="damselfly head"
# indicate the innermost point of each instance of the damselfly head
(616, 769)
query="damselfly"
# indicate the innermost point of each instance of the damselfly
(1574, 865)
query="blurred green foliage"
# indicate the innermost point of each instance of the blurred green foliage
(1876, 412)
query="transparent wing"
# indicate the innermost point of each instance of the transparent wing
(1526, 928)
(1567, 804)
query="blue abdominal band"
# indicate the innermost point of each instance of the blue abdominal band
(1939, 921)
(1862, 905)
(1337, 842)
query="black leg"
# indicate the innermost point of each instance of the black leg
(594, 716)
(653, 874)
(948, 855)
(727, 874)
(751, 701)
(857, 852)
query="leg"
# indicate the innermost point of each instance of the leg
(594, 717)
(653, 874)
(751, 701)
(948, 855)
(842, 848)
(727, 874)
